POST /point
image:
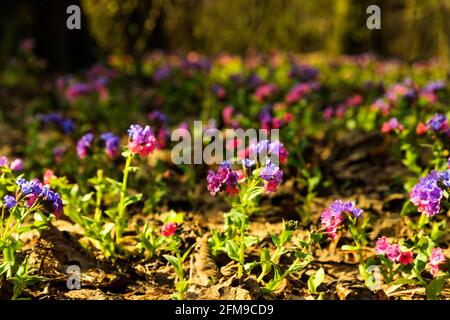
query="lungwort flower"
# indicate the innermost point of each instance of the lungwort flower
(111, 144)
(141, 140)
(333, 216)
(427, 194)
(84, 145)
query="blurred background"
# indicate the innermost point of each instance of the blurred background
(411, 30)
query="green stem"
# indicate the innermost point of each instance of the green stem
(242, 245)
(422, 281)
(121, 211)
(99, 196)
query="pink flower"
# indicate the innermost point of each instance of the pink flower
(406, 258)
(328, 113)
(436, 259)
(17, 165)
(393, 252)
(227, 114)
(421, 129)
(48, 176)
(141, 140)
(391, 125)
(382, 245)
(169, 229)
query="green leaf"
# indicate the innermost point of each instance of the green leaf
(435, 287)
(133, 199)
(346, 247)
(175, 263)
(173, 216)
(87, 197)
(250, 241)
(232, 250)
(316, 280)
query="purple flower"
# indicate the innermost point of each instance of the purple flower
(111, 144)
(84, 144)
(427, 195)
(141, 140)
(224, 177)
(9, 201)
(3, 161)
(438, 123)
(272, 175)
(248, 163)
(278, 150)
(68, 126)
(332, 217)
(158, 116)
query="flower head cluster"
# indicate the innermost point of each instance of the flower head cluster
(333, 216)
(427, 194)
(84, 145)
(438, 123)
(393, 252)
(15, 165)
(34, 191)
(297, 92)
(265, 92)
(265, 148)
(391, 125)
(169, 229)
(223, 178)
(437, 258)
(272, 175)
(9, 201)
(66, 125)
(141, 140)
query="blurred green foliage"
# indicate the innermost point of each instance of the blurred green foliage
(296, 25)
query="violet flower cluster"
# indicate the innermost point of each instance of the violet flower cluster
(428, 193)
(35, 191)
(86, 142)
(224, 178)
(438, 123)
(333, 216)
(141, 140)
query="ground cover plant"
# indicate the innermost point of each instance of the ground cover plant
(348, 200)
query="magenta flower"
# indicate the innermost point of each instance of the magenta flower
(111, 144)
(382, 245)
(328, 113)
(3, 161)
(223, 178)
(391, 125)
(297, 92)
(272, 175)
(265, 91)
(332, 217)
(141, 140)
(406, 258)
(84, 145)
(169, 229)
(17, 165)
